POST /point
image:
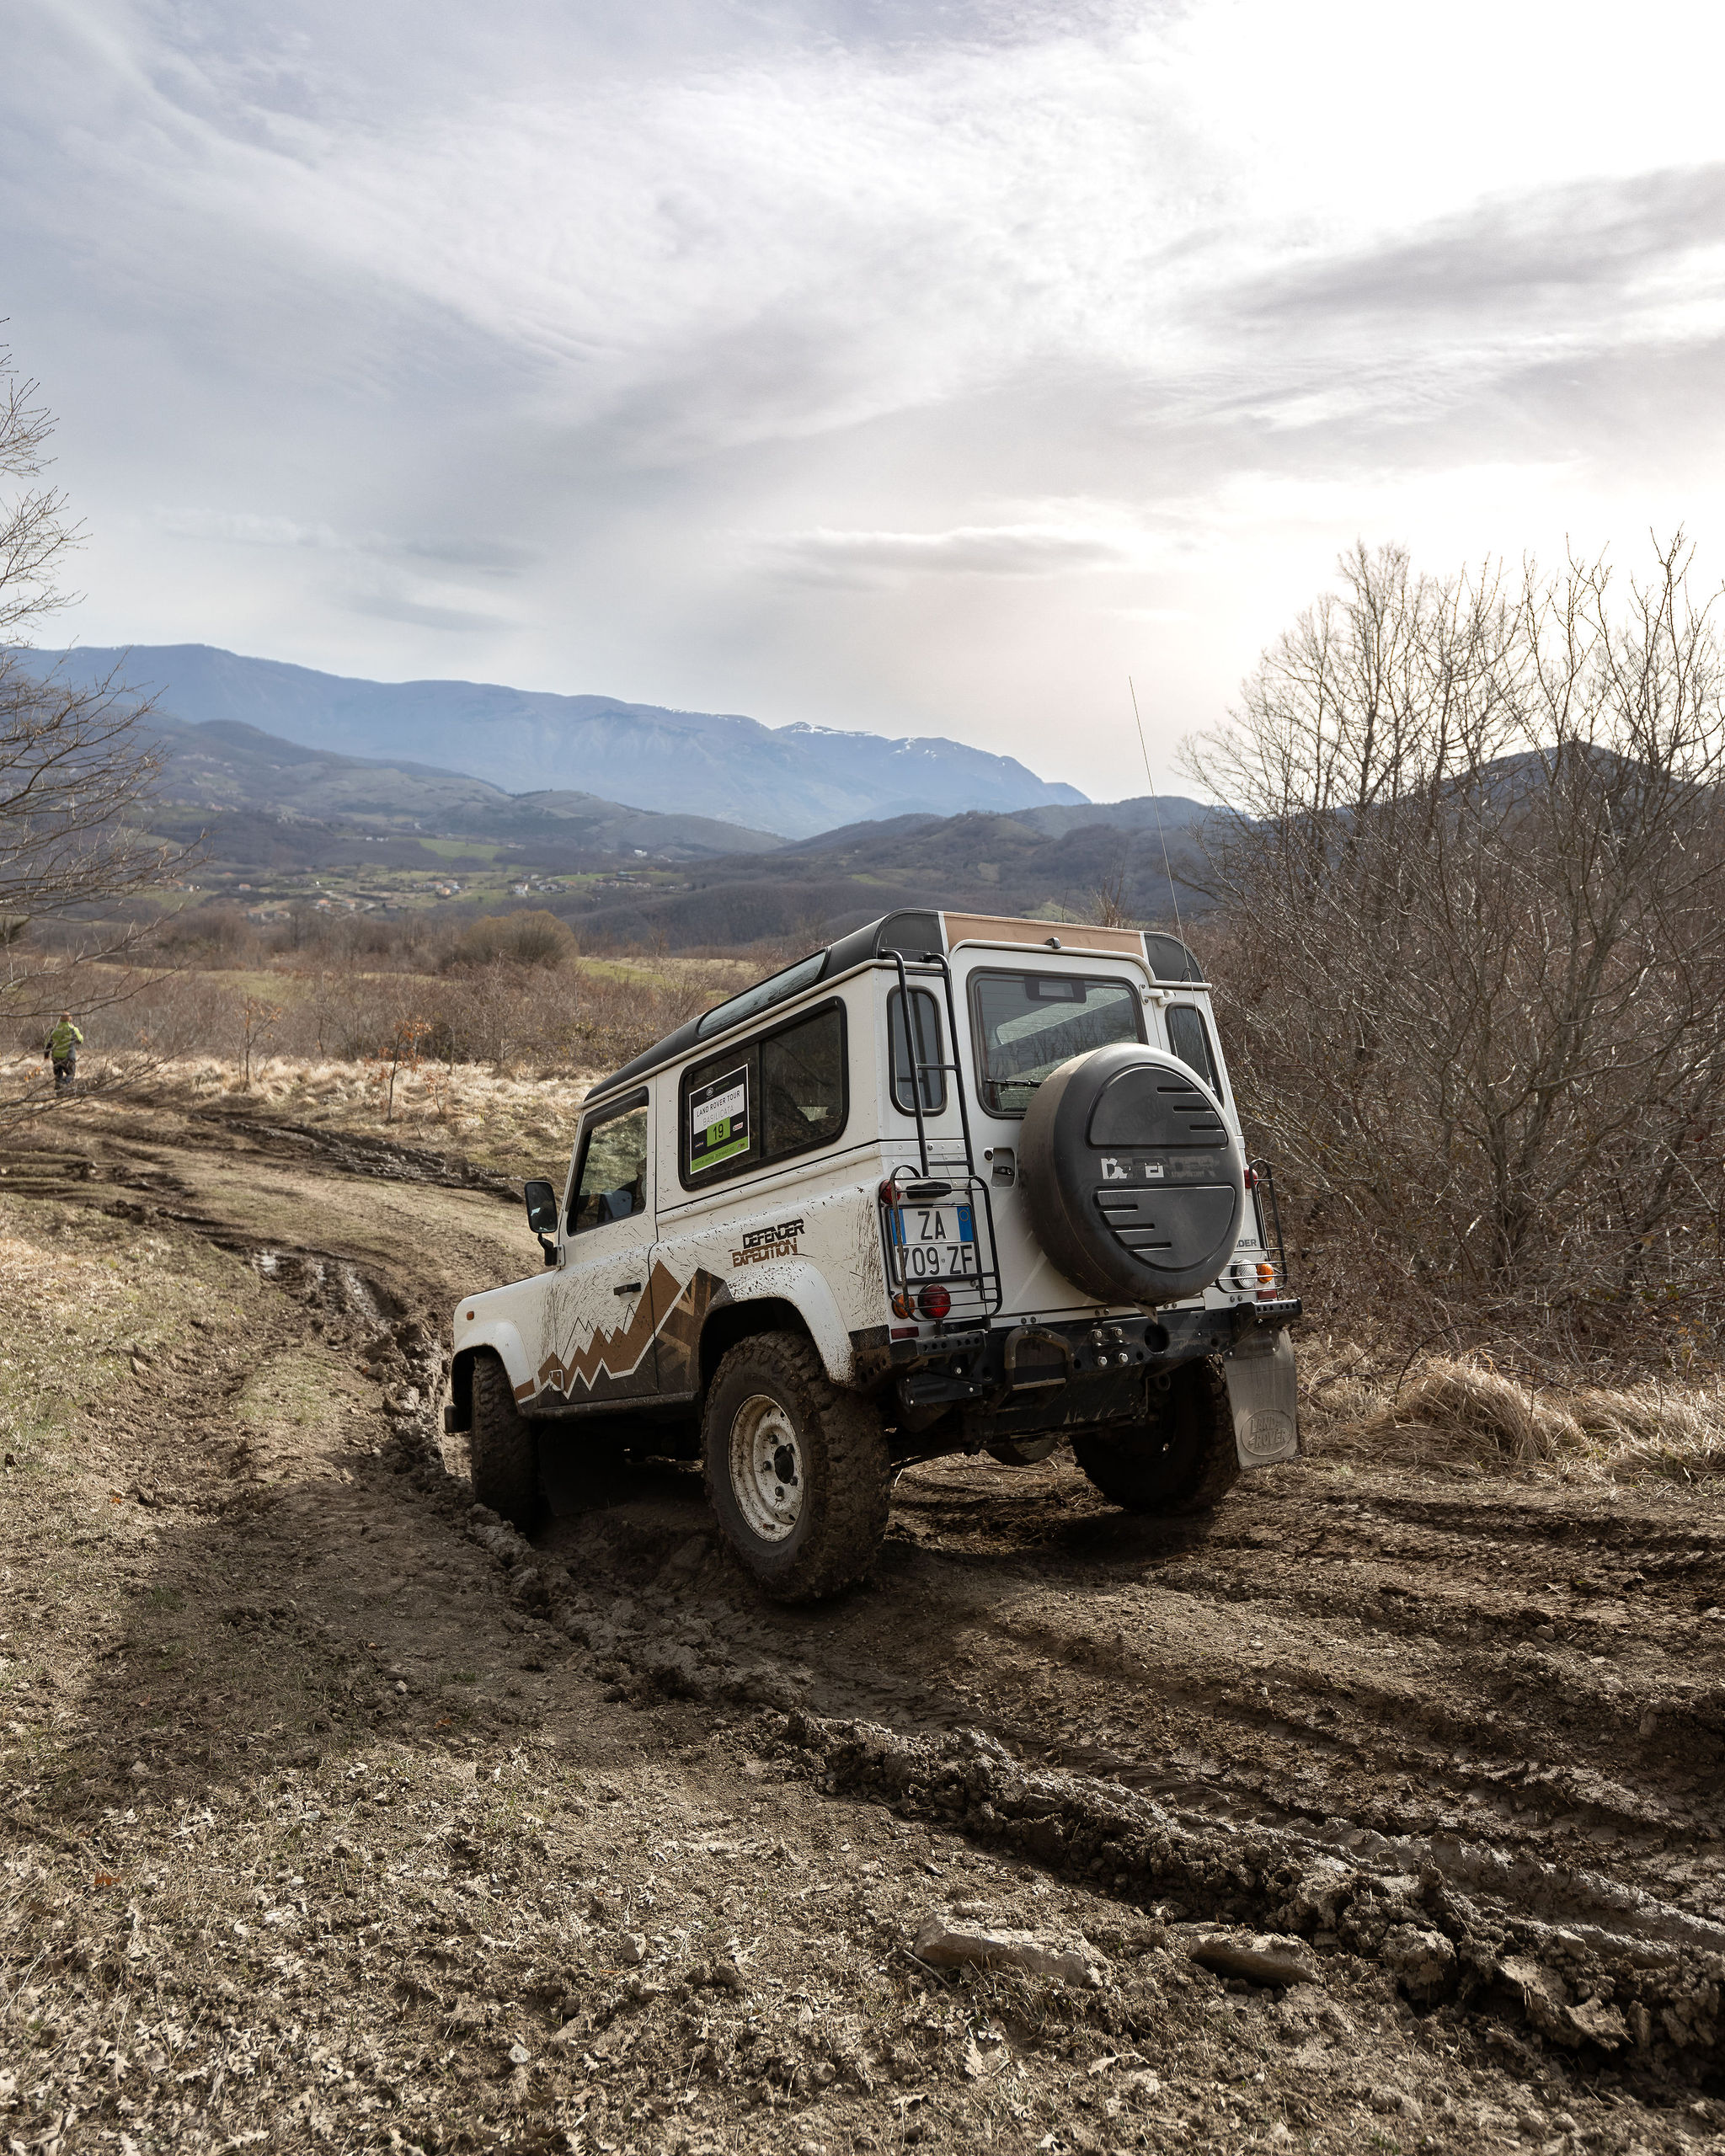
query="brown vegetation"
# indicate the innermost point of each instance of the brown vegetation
(1472, 961)
(561, 1016)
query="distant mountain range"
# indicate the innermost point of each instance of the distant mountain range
(267, 811)
(225, 766)
(796, 781)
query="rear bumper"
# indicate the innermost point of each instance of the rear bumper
(1050, 1376)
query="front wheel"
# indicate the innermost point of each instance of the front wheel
(797, 1470)
(503, 1449)
(1180, 1460)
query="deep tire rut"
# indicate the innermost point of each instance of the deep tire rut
(1530, 1839)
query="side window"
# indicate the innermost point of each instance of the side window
(1188, 1037)
(918, 1044)
(803, 1084)
(613, 1184)
(764, 1099)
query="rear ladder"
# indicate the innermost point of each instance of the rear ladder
(973, 1297)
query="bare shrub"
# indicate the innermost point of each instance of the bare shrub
(1474, 963)
(208, 936)
(1108, 906)
(530, 937)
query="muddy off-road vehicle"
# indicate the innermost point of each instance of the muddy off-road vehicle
(952, 1185)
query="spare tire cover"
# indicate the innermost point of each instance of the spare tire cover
(1134, 1184)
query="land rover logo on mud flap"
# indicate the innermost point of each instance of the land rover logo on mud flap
(760, 1244)
(1267, 1432)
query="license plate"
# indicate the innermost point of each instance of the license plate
(936, 1242)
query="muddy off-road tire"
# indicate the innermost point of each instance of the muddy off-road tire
(503, 1449)
(1185, 1460)
(798, 1471)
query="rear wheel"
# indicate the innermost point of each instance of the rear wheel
(503, 1449)
(797, 1470)
(1184, 1459)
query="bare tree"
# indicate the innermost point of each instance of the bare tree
(1110, 906)
(1478, 954)
(76, 768)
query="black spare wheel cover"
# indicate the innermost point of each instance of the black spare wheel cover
(1135, 1184)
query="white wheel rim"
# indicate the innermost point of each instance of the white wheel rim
(766, 1468)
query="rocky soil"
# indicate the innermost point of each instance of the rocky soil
(1383, 1814)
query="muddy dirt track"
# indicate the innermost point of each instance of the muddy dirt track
(1456, 1741)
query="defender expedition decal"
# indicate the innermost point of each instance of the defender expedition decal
(760, 1244)
(719, 1120)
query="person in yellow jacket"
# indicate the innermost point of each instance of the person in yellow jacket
(61, 1049)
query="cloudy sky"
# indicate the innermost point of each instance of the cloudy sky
(925, 367)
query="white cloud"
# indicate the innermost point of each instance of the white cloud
(1012, 550)
(922, 371)
(238, 528)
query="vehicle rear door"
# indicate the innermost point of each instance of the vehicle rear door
(1027, 1014)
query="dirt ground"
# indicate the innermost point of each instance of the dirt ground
(335, 1816)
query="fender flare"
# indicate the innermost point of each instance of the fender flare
(504, 1340)
(801, 1283)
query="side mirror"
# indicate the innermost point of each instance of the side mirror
(542, 1216)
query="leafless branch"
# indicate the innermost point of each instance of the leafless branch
(1478, 959)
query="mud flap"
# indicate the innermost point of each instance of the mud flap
(1263, 1394)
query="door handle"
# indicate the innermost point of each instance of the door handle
(628, 1288)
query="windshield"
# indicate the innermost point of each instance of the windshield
(1028, 1024)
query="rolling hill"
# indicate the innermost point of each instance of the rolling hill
(818, 889)
(226, 766)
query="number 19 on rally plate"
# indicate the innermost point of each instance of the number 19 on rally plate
(935, 1242)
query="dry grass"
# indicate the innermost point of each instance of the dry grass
(1464, 1416)
(493, 1118)
(587, 1014)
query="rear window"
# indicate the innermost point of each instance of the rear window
(1027, 1025)
(916, 1047)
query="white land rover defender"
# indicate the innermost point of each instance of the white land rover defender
(953, 1185)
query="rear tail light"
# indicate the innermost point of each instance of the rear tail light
(903, 1305)
(933, 1300)
(1266, 1283)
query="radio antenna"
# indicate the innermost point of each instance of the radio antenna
(1155, 802)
